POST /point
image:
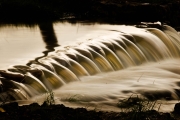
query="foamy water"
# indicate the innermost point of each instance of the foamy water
(104, 66)
(103, 91)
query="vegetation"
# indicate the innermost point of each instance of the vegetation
(133, 108)
(114, 11)
(137, 107)
(145, 1)
(50, 98)
(40, 10)
(137, 104)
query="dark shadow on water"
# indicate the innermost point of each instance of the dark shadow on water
(49, 38)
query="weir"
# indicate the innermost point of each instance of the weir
(106, 54)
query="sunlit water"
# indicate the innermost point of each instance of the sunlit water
(19, 44)
(146, 65)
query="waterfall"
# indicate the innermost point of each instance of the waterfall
(119, 50)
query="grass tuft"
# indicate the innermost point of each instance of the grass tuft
(137, 104)
(137, 107)
(50, 98)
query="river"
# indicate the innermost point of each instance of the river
(146, 64)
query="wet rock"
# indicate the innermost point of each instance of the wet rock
(159, 94)
(12, 75)
(177, 108)
(10, 106)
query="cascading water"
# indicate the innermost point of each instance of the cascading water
(103, 70)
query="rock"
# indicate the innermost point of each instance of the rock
(177, 108)
(10, 106)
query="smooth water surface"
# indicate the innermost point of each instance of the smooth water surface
(20, 44)
(147, 64)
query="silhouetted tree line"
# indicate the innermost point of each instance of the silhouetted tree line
(112, 10)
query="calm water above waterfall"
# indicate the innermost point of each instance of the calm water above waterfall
(93, 64)
(19, 44)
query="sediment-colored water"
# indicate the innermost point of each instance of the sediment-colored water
(98, 66)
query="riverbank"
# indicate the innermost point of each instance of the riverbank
(18, 11)
(110, 11)
(60, 112)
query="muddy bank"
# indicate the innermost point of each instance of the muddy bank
(60, 112)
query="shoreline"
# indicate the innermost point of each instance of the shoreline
(45, 111)
(111, 12)
(114, 11)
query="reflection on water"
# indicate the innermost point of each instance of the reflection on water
(49, 38)
(143, 61)
(21, 44)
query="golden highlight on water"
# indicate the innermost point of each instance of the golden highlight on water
(100, 71)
